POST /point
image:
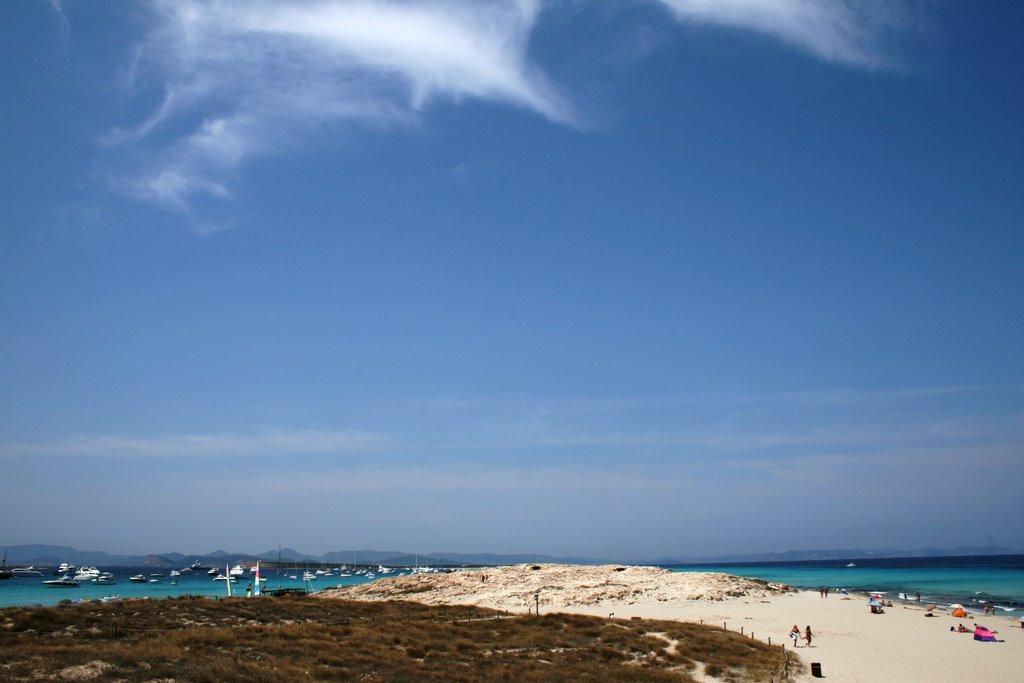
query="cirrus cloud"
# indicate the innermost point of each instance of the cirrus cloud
(233, 75)
(845, 31)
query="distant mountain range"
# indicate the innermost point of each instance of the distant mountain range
(55, 554)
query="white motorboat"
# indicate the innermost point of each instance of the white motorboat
(309, 576)
(237, 570)
(87, 573)
(65, 568)
(104, 578)
(851, 565)
(175, 572)
(221, 577)
(138, 578)
(212, 572)
(26, 571)
(62, 582)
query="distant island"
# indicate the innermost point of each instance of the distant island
(39, 554)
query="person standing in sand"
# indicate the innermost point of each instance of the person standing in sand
(795, 635)
(807, 636)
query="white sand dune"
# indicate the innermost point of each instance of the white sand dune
(851, 644)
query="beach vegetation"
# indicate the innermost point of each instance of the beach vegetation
(268, 639)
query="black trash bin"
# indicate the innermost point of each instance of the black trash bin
(816, 669)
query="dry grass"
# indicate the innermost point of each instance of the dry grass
(199, 639)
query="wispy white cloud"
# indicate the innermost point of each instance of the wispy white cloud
(284, 442)
(57, 8)
(843, 420)
(846, 31)
(239, 78)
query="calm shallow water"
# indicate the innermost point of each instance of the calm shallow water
(970, 581)
(30, 590)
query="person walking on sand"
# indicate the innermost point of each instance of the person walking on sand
(795, 635)
(807, 636)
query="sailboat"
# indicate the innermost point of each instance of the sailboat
(4, 572)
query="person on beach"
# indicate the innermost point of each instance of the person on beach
(807, 636)
(795, 635)
(248, 591)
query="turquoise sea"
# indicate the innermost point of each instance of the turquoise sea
(30, 590)
(970, 581)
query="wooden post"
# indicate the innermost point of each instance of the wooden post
(537, 601)
(741, 630)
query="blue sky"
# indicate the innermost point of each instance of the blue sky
(635, 278)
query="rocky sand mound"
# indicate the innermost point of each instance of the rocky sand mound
(521, 587)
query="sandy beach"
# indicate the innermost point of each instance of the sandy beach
(850, 643)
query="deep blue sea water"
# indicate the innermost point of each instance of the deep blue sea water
(970, 581)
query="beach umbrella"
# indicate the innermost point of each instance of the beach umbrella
(955, 605)
(876, 596)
